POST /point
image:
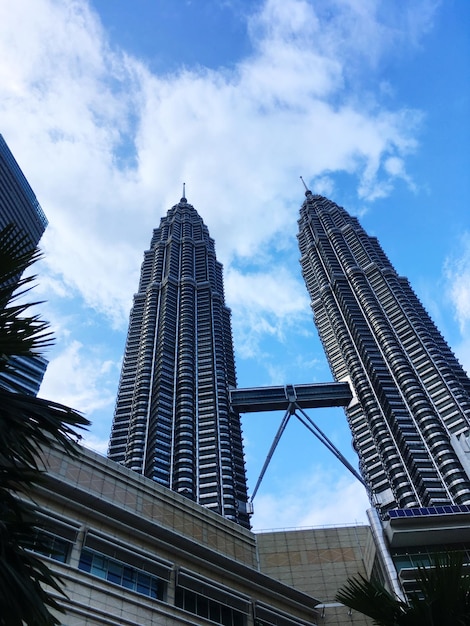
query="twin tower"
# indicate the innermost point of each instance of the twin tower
(174, 421)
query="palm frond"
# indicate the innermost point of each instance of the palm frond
(443, 594)
(28, 427)
(24, 577)
(372, 599)
(442, 597)
(16, 256)
(20, 334)
(29, 424)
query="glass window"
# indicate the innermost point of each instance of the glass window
(128, 578)
(214, 611)
(114, 572)
(98, 566)
(202, 606)
(121, 574)
(190, 602)
(86, 559)
(154, 588)
(205, 607)
(238, 619)
(226, 616)
(402, 562)
(143, 584)
(51, 546)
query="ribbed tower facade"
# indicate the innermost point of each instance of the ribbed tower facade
(173, 421)
(410, 416)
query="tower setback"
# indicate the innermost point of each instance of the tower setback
(173, 422)
(410, 416)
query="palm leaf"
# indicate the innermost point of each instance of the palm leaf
(372, 599)
(20, 334)
(443, 595)
(23, 575)
(16, 256)
(29, 426)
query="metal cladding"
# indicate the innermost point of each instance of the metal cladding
(173, 421)
(410, 416)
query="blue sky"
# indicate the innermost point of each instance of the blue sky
(109, 106)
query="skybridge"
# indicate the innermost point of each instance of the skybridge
(319, 395)
(293, 400)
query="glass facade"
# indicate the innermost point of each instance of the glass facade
(24, 375)
(210, 609)
(52, 546)
(173, 421)
(410, 393)
(407, 561)
(19, 206)
(121, 574)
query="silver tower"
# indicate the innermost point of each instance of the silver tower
(173, 421)
(410, 416)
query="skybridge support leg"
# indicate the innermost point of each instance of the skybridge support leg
(320, 435)
(281, 429)
(316, 431)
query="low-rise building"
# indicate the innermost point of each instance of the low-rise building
(131, 552)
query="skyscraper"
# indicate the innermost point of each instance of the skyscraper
(410, 416)
(173, 422)
(19, 206)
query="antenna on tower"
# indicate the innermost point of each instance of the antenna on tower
(184, 190)
(308, 193)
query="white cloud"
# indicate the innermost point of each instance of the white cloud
(78, 377)
(264, 303)
(395, 167)
(457, 274)
(106, 144)
(95, 443)
(457, 271)
(317, 498)
(276, 292)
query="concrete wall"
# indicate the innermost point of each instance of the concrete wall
(321, 560)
